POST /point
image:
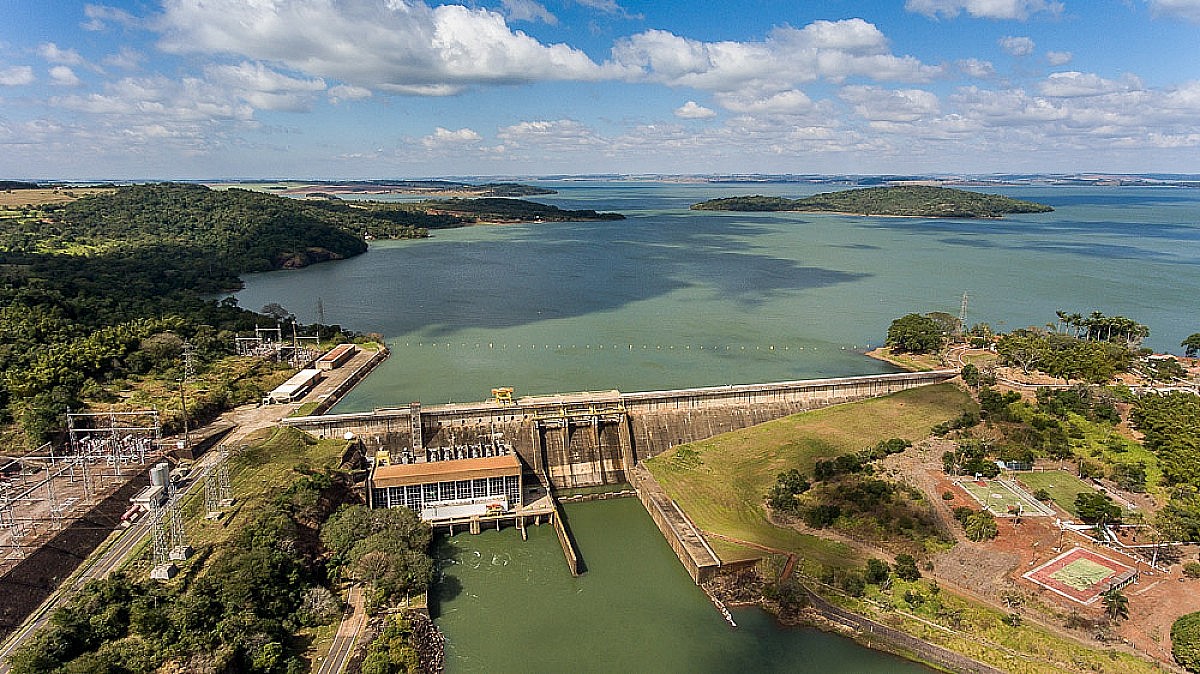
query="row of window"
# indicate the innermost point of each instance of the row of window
(418, 496)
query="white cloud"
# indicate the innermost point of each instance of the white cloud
(891, 105)
(1016, 45)
(561, 134)
(1073, 84)
(346, 92)
(977, 68)
(52, 53)
(125, 59)
(63, 76)
(14, 76)
(693, 110)
(528, 10)
(441, 138)
(398, 46)
(832, 50)
(791, 102)
(265, 89)
(1188, 10)
(99, 16)
(984, 9)
(190, 101)
(1058, 58)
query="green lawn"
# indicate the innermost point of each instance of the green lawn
(720, 482)
(1063, 486)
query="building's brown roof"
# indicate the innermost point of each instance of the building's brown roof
(398, 475)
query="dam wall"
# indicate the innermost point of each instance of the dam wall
(596, 437)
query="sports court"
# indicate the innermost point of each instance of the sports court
(1082, 575)
(1004, 499)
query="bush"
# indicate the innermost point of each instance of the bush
(1191, 569)
(1185, 641)
(877, 571)
(913, 599)
(1042, 495)
(947, 495)
(906, 567)
(853, 584)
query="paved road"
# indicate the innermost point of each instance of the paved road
(347, 635)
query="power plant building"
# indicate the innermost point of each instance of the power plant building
(451, 489)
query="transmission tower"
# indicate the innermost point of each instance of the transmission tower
(162, 535)
(962, 315)
(224, 490)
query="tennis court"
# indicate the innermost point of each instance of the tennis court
(1082, 575)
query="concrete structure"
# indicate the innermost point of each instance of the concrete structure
(449, 490)
(295, 388)
(595, 438)
(336, 357)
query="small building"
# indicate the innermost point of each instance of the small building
(336, 357)
(151, 496)
(295, 388)
(448, 490)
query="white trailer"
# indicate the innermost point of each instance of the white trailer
(295, 388)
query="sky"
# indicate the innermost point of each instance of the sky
(340, 89)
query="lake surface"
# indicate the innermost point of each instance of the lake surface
(672, 298)
(508, 605)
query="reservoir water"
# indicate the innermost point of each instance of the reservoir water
(511, 606)
(671, 298)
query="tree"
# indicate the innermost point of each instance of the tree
(1185, 641)
(1096, 508)
(981, 526)
(877, 571)
(1191, 345)
(1116, 604)
(915, 333)
(906, 567)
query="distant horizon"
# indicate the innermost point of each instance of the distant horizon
(649, 176)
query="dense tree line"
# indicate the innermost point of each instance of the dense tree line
(242, 613)
(83, 287)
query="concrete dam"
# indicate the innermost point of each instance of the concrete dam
(597, 438)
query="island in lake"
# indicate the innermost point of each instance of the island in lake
(904, 200)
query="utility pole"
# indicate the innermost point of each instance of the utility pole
(962, 316)
(189, 371)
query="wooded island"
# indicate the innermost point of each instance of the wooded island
(917, 201)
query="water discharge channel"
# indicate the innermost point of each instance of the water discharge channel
(508, 605)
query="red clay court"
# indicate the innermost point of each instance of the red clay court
(1082, 575)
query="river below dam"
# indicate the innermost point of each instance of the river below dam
(673, 298)
(508, 605)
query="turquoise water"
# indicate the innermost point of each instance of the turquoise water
(671, 297)
(508, 605)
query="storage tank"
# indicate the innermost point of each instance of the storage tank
(160, 474)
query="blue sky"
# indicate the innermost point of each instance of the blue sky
(147, 89)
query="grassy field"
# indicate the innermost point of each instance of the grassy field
(721, 482)
(1061, 485)
(980, 632)
(258, 474)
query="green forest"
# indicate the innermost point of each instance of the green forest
(905, 200)
(106, 288)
